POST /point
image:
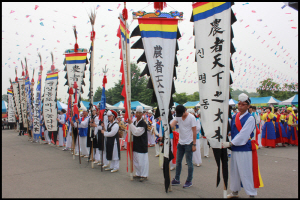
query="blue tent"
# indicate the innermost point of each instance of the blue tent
(4, 106)
(60, 106)
(259, 100)
(291, 101)
(134, 104)
(191, 103)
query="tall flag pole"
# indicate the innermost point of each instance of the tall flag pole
(23, 99)
(92, 17)
(28, 97)
(37, 108)
(102, 108)
(159, 40)
(16, 92)
(75, 65)
(212, 30)
(50, 98)
(76, 116)
(123, 34)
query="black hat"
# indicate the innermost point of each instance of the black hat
(180, 109)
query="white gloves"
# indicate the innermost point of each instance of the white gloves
(225, 144)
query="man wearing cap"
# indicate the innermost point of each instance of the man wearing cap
(112, 141)
(241, 169)
(140, 145)
(187, 143)
(83, 123)
(150, 133)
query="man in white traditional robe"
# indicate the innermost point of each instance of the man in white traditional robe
(241, 168)
(83, 123)
(150, 133)
(140, 145)
(112, 142)
(62, 120)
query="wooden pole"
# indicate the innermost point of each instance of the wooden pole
(92, 20)
(41, 70)
(128, 95)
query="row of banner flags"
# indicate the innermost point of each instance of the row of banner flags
(159, 39)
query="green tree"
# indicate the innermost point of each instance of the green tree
(4, 97)
(194, 97)
(180, 98)
(98, 93)
(139, 90)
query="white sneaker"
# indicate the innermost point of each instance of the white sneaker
(105, 166)
(172, 168)
(114, 170)
(233, 195)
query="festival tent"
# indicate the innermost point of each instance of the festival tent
(232, 102)
(4, 106)
(175, 104)
(191, 104)
(260, 100)
(86, 104)
(134, 104)
(291, 101)
(60, 106)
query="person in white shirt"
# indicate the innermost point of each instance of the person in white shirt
(197, 154)
(83, 123)
(112, 141)
(187, 143)
(138, 129)
(62, 120)
(151, 122)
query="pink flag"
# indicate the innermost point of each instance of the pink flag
(36, 6)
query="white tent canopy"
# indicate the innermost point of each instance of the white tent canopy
(293, 100)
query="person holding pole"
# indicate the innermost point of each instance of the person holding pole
(83, 131)
(112, 141)
(243, 161)
(140, 145)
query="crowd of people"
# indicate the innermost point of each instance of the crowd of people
(267, 126)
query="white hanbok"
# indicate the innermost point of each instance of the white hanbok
(140, 160)
(115, 162)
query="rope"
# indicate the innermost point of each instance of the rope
(140, 10)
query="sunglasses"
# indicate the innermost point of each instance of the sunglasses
(242, 104)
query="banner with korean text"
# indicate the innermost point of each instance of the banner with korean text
(10, 107)
(212, 24)
(75, 66)
(17, 99)
(50, 102)
(23, 101)
(159, 39)
(37, 108)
